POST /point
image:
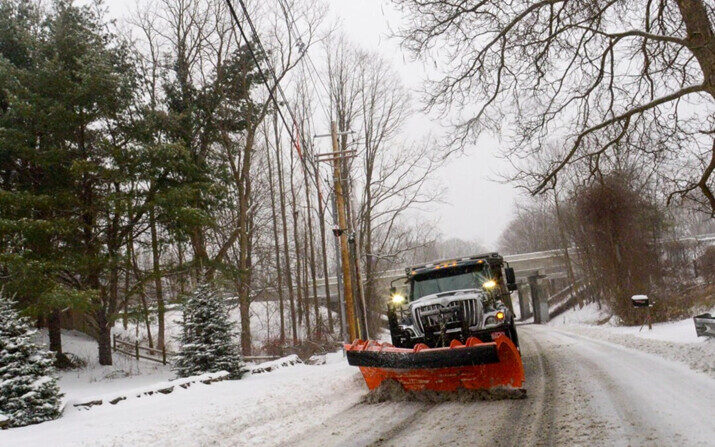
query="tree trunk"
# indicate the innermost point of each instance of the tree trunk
(299, 255)
(306, 298)
(244, 247)
(700, 39)
(286, 252)
(145, 309)
(55, 331)
(244, 306)
(201, 257)
(276, 246)
(311, 248)
(125, 301)
(160, 308)
(182, 278)
(565, 247)
(324, 251)
(104, 339)
(299, 269)
(142, 292)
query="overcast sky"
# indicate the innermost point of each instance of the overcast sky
(476, 207)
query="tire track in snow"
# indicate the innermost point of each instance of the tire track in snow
(579, 392)
(402, 426)
(362, 424)
(531, 422)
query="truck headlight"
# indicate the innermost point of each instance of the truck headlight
(500, 315)
(398, 299)
(489, 284)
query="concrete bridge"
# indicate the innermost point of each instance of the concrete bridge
(545, 289)
(538, 274)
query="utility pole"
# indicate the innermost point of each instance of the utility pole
(339, 277)
(342, 231)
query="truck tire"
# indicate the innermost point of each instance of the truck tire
(512, 333)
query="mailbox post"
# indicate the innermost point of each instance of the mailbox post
(643, 301)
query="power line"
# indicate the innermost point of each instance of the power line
(301, 140)
(277, 86)
(292, 21)
(258, 65)
(271, 70)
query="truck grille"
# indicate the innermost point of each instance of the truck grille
(468, 308)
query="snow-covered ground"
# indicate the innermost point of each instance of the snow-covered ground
(265, 324)
(256, 407)
(682, 331)
(589, 314)
(675, 340)
(95, 379)
(582, 389)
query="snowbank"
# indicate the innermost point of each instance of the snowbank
(589, 314)
(674, 340)
(164, 387)
(682, 331)
(260, 410)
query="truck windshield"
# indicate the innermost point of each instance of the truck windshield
(456, 278)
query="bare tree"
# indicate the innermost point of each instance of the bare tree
(535, 227)
(214, 74)
(595, 76)
(388, 177)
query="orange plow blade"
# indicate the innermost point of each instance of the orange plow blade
(474, 365)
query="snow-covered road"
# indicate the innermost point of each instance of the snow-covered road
(581, 391)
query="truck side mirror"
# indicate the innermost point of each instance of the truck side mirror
(510, 279)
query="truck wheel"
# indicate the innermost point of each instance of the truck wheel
(512, 333)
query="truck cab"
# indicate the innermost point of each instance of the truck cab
(453, 300)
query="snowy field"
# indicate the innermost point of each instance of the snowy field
(94, 379)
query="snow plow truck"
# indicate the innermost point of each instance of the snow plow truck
(452, 326)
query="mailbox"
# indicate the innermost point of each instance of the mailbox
(640, 301)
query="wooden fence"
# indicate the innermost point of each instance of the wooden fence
(138, 351)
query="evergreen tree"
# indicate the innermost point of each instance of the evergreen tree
(68, 167)
(207, 340)
(36, 182)
(28, 392)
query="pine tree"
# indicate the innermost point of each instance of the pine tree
(28, 392)
(69, 165)
(207, 340)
